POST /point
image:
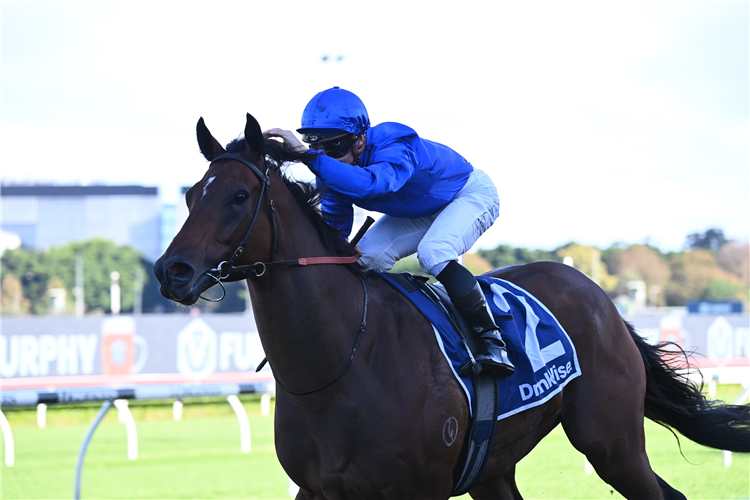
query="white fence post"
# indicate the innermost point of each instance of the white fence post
(744, 395)
(177, 410)
(10, 456)
(587, 467)
(265, 404)
(41, 415)
(239, 410)
(125, 417)
(293, 489)
(120, 397)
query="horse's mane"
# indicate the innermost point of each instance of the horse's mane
(306, 195)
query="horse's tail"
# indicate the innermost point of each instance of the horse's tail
(672, 400)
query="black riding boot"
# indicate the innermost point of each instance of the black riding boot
(490, 351)
(467, 296)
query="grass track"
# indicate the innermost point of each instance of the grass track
(200, 458)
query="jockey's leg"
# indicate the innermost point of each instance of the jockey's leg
(391, 239)
(468, 298)
(453, 232)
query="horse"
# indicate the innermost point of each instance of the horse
(363, 391)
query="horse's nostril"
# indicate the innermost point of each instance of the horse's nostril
(176, 269)
(179, 273)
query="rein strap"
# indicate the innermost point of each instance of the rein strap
(237, 273)
(311, 261)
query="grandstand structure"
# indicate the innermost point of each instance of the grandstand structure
(45, 216)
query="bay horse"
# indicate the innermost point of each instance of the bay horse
(364, 392)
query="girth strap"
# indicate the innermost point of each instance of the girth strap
(481, 432)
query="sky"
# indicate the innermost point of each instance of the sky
(599, 122)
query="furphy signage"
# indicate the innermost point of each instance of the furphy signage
(29, 355)
(60, 351)
(126, 349)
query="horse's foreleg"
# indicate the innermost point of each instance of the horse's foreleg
(503, 488)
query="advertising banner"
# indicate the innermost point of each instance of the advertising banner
(49, 353)
(719, 344)
(57, 352)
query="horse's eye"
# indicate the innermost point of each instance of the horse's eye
(240, 198)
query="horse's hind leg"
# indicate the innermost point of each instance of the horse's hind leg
(602, 414)
(667, 491)
(615, 445)
(503, 488)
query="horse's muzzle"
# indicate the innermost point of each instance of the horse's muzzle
(178, 281)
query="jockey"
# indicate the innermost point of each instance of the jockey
(435, 203)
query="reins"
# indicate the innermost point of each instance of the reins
(236, 273)
(361, 331)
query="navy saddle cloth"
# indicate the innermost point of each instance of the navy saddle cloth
(538, 346)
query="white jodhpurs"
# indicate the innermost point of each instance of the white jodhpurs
(439, 238)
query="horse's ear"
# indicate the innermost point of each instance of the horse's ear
(253, 136)
(210, 147)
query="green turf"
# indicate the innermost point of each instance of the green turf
(199, 458)
(555, 470)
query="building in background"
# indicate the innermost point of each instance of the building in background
(8, 241)
(53, 216)
(168, 225)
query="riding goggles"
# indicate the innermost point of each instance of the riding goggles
(337, 147)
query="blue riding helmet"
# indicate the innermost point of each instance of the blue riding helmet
(334, 110)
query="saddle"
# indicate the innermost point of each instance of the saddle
(481, 429)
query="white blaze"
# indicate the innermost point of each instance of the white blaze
(205, 188)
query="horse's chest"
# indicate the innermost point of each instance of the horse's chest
(331, 466)
(374, 454)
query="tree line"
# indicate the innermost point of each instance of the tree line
(710, 268)
(29, 277)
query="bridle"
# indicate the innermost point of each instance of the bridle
(225, 271)
(233, 272)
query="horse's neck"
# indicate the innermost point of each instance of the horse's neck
(308, 320)
(307, 316)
